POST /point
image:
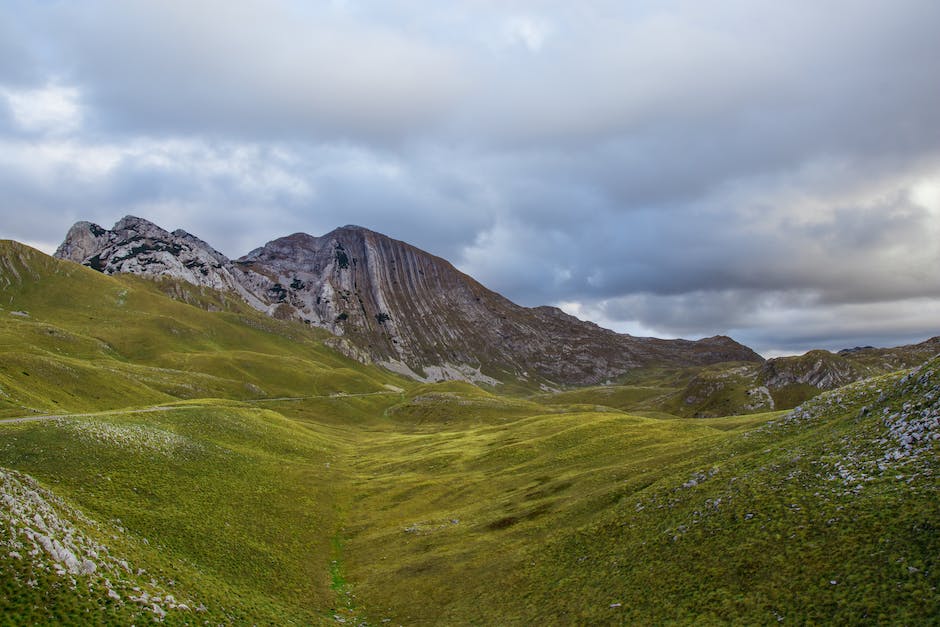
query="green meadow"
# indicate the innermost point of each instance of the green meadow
(191, 461)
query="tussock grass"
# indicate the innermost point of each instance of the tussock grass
(281, 483)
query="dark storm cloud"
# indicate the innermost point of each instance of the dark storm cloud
(766, 169)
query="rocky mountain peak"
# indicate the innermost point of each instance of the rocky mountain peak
(138, 246)
(133, 224)
(81, 242)
(394, 304)
(296, 246)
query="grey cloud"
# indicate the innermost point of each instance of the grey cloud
(237, 196)
(251, 69)
(685, 167)
(775, 322)
(870, 252)
(694, 66)
(18, 57)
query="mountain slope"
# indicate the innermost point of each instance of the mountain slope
(443, 503)
(785, 382)
(394, 304)
(72, 339)
(136, 246)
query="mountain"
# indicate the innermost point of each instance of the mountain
(136, 246)
(161, 461)
(785, 382)
(395, 305)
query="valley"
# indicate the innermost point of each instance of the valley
(473, 314)
(193, 459)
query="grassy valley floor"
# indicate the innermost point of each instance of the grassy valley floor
(557, 517)
(199, 463)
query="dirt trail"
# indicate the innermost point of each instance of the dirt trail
(142, 410)
(334, 395)
(145, 410)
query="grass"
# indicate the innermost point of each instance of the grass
(239, 495)
(281, 483)
(83, 341)
(625, 397)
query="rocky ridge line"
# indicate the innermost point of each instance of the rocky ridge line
(393, 304)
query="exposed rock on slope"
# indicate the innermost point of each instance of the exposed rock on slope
(819, 369)
(785, 382)
(889, 359)
(45, 538)
(137, 246)
(413, 310)
(394, 304)
(826, 371)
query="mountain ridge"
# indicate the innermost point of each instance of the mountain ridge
(394, 304)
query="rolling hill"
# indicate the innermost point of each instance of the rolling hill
(194, 460)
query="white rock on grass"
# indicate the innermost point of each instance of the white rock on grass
(39, 527)
(133, 437)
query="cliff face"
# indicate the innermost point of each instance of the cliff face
(412, 310)
(137, 246)
(394, 304)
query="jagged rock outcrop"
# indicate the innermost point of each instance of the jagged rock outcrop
(137, 246)
(819, 369)
(785, 382)
(826, 371)
(394, 304)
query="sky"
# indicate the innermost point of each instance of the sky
(761, 169)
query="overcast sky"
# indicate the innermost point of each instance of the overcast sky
(764, 169)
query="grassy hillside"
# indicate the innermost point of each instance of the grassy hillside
(231, 505)
(828, 512)
(739, 388)
(212, 465)
(72, 339)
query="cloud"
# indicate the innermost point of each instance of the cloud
(18, 60)
(251, 69)
(778, 323)
(238, 195)
(526, 31)
(764, 169)
(52, 109)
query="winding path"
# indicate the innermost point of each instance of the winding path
(155, 408)
(142, 410)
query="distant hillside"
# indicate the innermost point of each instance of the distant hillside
(394, 304)
(739, 388)
(195, 461)
(785, 382)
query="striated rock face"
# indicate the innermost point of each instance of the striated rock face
(416, 313)
(394, 304)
